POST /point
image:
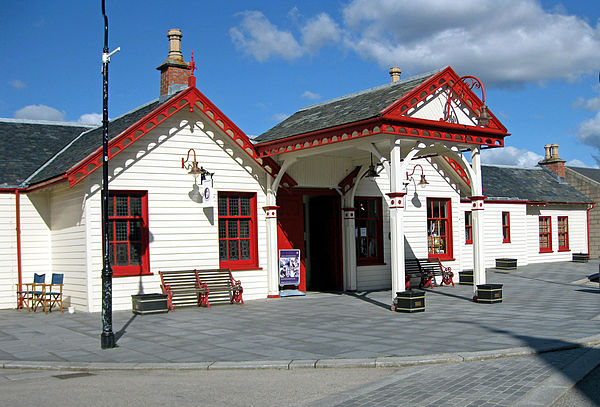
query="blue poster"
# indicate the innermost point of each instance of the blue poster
(289, 267)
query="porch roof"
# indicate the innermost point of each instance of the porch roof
(527, 184)
(347, 109)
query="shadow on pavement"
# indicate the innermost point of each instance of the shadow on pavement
(122, 331)
(364, 297)
(545, 347)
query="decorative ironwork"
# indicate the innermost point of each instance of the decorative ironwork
(459, 92)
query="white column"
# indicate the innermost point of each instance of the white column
(349, 240)
(477, 207)
(396, 219)
(272, 252)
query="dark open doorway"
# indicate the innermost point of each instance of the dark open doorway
(323, 242)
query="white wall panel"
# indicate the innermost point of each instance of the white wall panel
(8, 252)
(183, 235)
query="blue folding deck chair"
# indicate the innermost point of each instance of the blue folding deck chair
(26, 293)
(54, 292)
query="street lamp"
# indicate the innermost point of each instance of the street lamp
(107, 338)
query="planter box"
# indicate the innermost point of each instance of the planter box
(489, 293)
(581, 257)
(506, 264)
(149, 303)
(465, 277)
(409, 301)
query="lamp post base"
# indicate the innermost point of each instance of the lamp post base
(107, 340)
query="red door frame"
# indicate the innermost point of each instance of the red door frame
(291, 227)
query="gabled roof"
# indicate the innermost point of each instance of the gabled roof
(88, 142)
(591, 173)
(343, 110)
(527, 184)
(25, 145)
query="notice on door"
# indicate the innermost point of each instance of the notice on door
(289, 267)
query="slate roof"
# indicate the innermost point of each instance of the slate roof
(25, 145)
(343, 110)
(591, 173)
(89, 142)
(530, 184)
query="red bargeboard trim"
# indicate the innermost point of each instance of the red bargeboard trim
(191, 98)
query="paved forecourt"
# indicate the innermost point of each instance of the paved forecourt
(545, 307)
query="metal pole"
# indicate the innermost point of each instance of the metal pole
(107, 339)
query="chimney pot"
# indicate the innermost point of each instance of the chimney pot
(554, 151)
(174, 72)
(395, 73)
(547, 148)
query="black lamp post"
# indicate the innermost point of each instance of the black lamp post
(107, 338)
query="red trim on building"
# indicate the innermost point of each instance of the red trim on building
(18, 232)
(506, 227)
(446, 246)
(545, 234)
(563, 235)
(349, 180)
(239, 264)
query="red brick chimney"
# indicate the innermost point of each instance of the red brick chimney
(174, 72)
(552, 161)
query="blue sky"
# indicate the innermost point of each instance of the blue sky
(260, 61)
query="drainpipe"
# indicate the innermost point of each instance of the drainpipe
(593, 205)
(18, 231)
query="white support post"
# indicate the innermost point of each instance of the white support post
(477, 207)
(396, 219)
(349, 248)
(272, 253)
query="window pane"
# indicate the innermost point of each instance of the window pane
(122, 206)
(245, 249)
(232, 229)
(111, 253)
(234, 206)
(135, 253)
(222, 206)
(372, 229)
(135, 203)
(122, 255)
(121, 231)
(222, 230)
(222, 249)
(111, 205)
(111, 226)
(244, 228)
(233, 250)
(135, 230)
(245, 206)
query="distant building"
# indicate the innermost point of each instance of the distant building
(586, 181)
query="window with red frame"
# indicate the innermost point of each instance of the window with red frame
(439, 228)
(563, 233)
(128, 232)
(238, 243)
(545, 234)
(468, 227)
(369, 231)
(505, 227)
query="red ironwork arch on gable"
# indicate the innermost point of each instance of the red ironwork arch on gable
(191, 99)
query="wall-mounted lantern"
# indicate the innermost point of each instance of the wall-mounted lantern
(203, 193)
(372, 172)
(422, 182)
(192, 167)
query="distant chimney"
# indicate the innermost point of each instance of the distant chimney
(174, 72)
(552, 161)
(395, 73)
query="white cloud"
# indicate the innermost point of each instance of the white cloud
(505, 42)
(578, 163)
(40, 112)
(259, 38)
(589, 131)
(94, 119)
(510, 156)
(17, 84)
(311, 95)
(320, 31)
(592, 104)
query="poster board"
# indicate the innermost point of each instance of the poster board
(289, 267)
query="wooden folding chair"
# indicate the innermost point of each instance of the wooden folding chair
(54, 291)
(26, 292)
